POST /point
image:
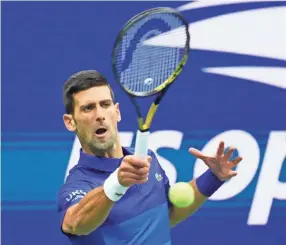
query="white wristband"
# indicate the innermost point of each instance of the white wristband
(112, 188)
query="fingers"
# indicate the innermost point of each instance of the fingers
(134, 181)
(197, 153)
(133, 177)
(235, 161)
(229, 153)
(137, 162)
(134, 170)
(233, 173)
(227, 176)
(200, 155)
(220, 149)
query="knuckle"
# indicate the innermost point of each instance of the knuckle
(122, 168)
(124, 160)
(145, 170)
(123, 165)
(145, 176)
(127, 159)
(120, 175)
(142, 171)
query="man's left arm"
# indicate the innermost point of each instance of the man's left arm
(220, 169)
(178, 215)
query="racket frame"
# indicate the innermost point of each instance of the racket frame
(179, 67)
(141, 145)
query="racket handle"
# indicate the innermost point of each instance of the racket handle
(141, 144)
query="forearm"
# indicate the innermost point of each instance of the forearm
(177, 215)
(89, 213)
(204, 186)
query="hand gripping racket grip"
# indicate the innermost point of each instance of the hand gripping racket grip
(141, 144)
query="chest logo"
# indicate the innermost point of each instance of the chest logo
(158, 177)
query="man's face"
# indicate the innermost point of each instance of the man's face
(96, 118)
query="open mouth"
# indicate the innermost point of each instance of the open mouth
(100, 131)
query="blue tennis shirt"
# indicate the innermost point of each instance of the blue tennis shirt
(140, 217)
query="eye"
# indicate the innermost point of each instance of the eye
(105, 104)
(88, 108)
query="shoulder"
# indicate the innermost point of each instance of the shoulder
(75, 187)
(77, 177)
(77, 173)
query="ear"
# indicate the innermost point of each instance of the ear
(118, 112)
(69, 122)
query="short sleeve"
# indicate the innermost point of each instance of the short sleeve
(70, 194)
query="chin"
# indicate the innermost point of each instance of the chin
(103, 146)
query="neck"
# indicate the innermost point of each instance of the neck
(115, 152)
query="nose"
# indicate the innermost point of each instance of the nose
(100, 115)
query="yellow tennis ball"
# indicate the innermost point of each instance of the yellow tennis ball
(181, 194)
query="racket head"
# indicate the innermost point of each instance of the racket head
(144, 69)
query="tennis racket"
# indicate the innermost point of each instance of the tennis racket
(143, 68)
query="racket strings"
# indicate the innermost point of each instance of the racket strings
(144, 67)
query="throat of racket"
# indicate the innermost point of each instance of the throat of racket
(145, 125)
(142, 135)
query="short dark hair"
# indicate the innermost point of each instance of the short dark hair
(80, 81)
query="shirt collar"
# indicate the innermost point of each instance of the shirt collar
(101, 163)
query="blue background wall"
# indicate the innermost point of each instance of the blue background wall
(43, 43)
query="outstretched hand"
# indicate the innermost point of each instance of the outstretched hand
(219, 164)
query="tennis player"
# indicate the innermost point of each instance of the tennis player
(112, 197)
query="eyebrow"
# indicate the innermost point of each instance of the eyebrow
(92, 102)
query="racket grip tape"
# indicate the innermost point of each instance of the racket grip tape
(141, 144)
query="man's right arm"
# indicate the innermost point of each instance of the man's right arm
(87, 215)
(92, 210)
